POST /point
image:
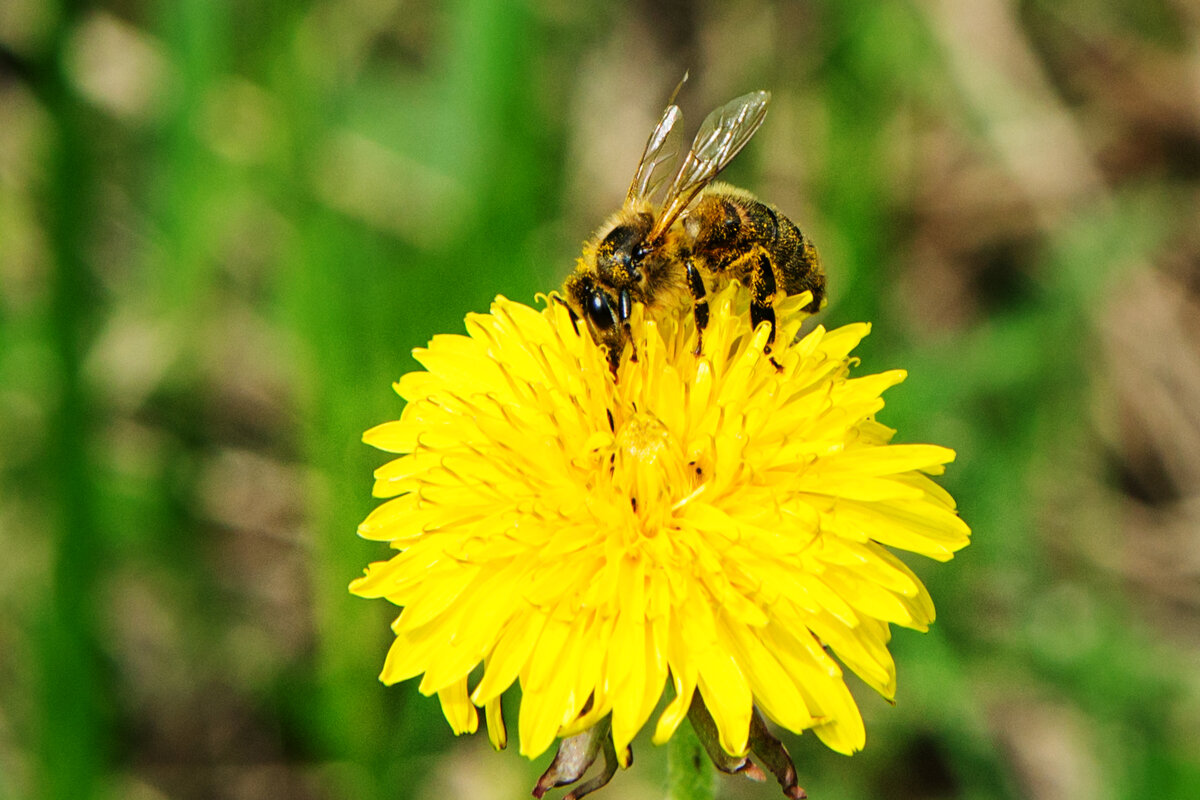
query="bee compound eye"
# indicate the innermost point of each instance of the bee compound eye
(600, 312)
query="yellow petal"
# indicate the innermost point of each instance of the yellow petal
(458, 709)
(497, 732)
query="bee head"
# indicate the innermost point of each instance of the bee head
(610, 277)
(606, 313)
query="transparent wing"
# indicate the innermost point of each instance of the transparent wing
(663, 147)
(723, 133)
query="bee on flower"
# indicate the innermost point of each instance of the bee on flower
(711, 517)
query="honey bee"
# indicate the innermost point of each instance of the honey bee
(698, 237)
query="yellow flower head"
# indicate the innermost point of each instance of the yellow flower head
(709, 520)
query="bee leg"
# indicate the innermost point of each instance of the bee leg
(571, 311)
(762, 297)
(699, 302)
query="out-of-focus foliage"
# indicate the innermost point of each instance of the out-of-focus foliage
(223, 226)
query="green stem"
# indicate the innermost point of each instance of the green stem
(74, 738)
(689, 772)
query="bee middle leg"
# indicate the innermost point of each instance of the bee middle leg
(762, 298)
(699, 302)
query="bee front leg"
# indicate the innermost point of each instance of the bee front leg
(699, 302)
(762, 299)
(570, 311)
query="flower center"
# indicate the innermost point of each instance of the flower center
(643, 439)
(649, 468)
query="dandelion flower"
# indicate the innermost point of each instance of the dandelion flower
(715, 523)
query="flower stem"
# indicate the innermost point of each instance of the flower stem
(689, 772)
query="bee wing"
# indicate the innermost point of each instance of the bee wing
(662, 148)
(723, 133)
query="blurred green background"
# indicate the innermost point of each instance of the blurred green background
(224, 225)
